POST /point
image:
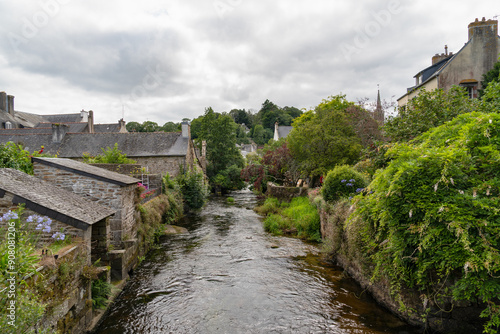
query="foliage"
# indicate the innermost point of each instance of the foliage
(343, 181)
(492, 75)
(332, 134)
(260, 135)
(270, 113)
(299, 217)
(193, 188)
(435, 213)
(428, 110)
(149, 126)
(13, 156)
(29, 310)
(219, 130)
(167, 182)
(109, 156)
(101, 291)
(242, 116)
(255, 173)
(170, 127)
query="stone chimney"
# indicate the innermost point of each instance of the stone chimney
(10, 104)
(438, 57)
(483, 28)
(3, 102)
(186, 130)
(58, 132)
(91, 121)
(121, 125)
(276, 134)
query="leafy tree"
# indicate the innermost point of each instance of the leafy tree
(149, 126)
(492, 75)
(331, 134)
(269, 114)
(170, 127)
(241, 116)
(219, 130)
(428, 110)
(193, 188)
(133, 127)
(260, 135)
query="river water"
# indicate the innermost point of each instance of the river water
(229, 276)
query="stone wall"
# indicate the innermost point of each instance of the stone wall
(125, 169)
(114, 196)
(162, 165)
(285, 193)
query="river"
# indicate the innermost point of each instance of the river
(229, 276)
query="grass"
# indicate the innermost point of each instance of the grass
(298, 218)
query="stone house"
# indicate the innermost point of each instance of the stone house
(18, 122)
(160, 152)
(113, 190)
(465, 68)
(77, 216)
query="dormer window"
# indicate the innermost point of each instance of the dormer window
(8, 125)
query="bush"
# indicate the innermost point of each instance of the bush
(434, 213)
(109, 156)
(193, 188)
(299, 217)
(343, 181)
(13, 156)
(101, 290)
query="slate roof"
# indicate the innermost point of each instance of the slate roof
(49, 200)
(102, 128)
(45, 128)
(64, 118)
(283, 131)
(25, 119)
(87, 170)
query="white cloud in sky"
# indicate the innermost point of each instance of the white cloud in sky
(167, 60)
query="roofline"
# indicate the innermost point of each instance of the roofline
(49, 212)
(80, 172)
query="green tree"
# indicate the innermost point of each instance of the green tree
(219, 130)
(331, 134)
(149, 126)
(260, 135)
(492, 75)
(133, 127)
(170, 127)
(428, 110)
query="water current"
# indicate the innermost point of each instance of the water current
(227, 275)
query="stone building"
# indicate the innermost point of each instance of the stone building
(160, 152)
(77, 216)
(17, 122)
(465, 68)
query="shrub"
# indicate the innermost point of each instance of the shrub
(13, 156)
(343, 181)
(193, 188)
(434, 213)
(109, 156)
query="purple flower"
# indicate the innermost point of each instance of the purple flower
(349, 184)
(58, 236)
(30, 219)
(343, 181)
(9, 216)
(352, 180)
(46, 229)
(359, 190)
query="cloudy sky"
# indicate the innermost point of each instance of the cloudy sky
(170, 59)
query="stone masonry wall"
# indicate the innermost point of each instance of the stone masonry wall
(104, 193)
(162, 165)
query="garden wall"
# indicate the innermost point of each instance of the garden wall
(285, 193)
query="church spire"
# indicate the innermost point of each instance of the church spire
(379, 111)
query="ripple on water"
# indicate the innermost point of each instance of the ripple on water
(228, 276)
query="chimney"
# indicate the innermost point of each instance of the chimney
(91, 121)
(3, 102)
(483, 28)
(186, 130)
(84, 115)
(58, 132)
(122, 127)
(10, 102)
(438, 57)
